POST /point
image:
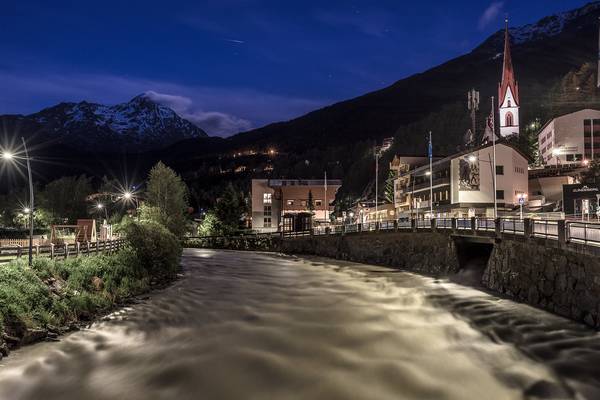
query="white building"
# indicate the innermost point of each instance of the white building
(463, 184)
(508, 94)
(571, 139)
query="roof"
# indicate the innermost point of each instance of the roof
(508, 74)
(563, 115)
(467, 151)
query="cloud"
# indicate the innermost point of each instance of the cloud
(219, 111)
(213, 122)
(490, 14)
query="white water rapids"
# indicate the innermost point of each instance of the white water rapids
(243, 325)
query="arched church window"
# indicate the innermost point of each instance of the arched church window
(509, 104)
(509, 119)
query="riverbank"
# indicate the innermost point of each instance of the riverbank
(53, 297)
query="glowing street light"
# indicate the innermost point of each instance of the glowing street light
(472, 158)
(9, 156)
(99, 206)
(521, 197)
(428, 173)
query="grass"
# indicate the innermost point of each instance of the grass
(58, 293)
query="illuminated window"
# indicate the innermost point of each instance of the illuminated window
(290, 202)
(267, 198)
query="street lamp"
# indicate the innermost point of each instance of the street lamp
(521, 197)
(556, 153)
(9, 156)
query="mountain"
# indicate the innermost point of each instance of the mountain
(543, 54)
(137, 125)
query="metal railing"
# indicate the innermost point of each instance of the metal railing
(582, 232)
(545, 229)
(60, 251)
(514, 226)
(485, 224)
(463, 223)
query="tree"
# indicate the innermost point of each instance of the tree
(166, 194)
(65, 199)
(310, 203)
(210, 226)
(592, 174)
(230, 209)
(388, 193)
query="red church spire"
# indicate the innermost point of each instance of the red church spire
(508, 75)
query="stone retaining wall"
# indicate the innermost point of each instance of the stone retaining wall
(555, 279)
(428, 253)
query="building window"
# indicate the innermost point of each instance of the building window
(500, 194)
(509, 103)
(267, 222)
(267, 210)
(318, 203)
(290, 202)
(499, 169)
(267, 198)
(509, 119)
(303, 203)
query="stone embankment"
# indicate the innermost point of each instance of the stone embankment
(558, 280)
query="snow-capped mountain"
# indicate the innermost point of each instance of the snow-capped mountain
(551, 25)
(140, 124)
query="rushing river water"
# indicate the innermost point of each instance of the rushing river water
(263, 326)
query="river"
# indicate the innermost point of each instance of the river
(241, 325)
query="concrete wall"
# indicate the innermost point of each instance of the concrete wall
(557, 280)
(428, 253)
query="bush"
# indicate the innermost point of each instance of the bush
(56, 291)
(157, 250)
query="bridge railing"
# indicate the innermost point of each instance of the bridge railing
(584, 232)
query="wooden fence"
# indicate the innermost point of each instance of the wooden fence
(60, 251)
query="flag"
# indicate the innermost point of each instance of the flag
(490, 130)
(430, 147)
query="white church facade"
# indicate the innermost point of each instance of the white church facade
(508, 94)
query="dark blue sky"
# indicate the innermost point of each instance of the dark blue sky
(232, 65)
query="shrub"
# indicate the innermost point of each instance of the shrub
(157, 250)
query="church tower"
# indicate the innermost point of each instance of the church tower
(508, 94)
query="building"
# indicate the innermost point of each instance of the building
(275, 199)
(508, 94)
(581, 200)
(463, 185)
(571, 139)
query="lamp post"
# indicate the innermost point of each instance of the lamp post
(521, 197)
(8, 156)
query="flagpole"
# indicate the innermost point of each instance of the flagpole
(326, 205)
(430, 177)
(494, 152)
(376, 182)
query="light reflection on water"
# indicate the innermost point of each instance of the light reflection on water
(262, 326)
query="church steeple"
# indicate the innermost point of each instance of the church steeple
(508, 93)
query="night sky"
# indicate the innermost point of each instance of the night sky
(232, 65)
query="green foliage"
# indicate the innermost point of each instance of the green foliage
(591, 175)
(211, 225)
(57, 291)
(156, 249)
(310, 203)
(230, 209)
(65, 199)
(167, 193)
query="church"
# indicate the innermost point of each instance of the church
(508, 94)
